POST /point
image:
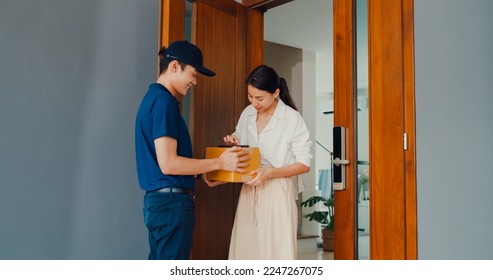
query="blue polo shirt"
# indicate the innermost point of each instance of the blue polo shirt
(158, 116)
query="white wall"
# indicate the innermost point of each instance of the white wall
(454, 99)
(72, 74)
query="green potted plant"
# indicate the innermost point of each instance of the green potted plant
(324, 217)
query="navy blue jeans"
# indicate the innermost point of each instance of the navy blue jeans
(170, 219)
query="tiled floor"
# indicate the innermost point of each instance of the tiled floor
(318, 255)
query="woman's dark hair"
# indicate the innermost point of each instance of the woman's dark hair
(164, 61)
(265, 78)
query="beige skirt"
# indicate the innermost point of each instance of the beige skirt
(266, 222)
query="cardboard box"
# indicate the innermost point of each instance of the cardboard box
(229, 176)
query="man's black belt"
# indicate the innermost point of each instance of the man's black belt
(175, 190)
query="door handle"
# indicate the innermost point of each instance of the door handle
(338, 161)
(339, 141)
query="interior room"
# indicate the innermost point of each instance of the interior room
(305, 59)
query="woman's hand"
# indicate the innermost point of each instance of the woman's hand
(264, 174)
(212, 183)
(231, 140)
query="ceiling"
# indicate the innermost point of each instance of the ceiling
(302, 24)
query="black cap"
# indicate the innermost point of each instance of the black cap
(190, 54)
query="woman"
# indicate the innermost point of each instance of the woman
(265, 224)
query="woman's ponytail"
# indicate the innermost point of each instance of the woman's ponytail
(284, 94)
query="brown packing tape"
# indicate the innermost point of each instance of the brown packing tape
(229, 176)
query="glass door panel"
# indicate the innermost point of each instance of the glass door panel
(362, 193)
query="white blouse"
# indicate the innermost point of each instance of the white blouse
(284, 140)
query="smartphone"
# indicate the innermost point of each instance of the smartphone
(229, 146)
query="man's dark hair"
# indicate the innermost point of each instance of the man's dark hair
(164, 61)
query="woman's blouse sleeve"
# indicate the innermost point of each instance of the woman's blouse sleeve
(301, 143)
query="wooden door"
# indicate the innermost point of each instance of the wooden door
(392, 146)
(344, 115)
(391, 126)
(220, 29)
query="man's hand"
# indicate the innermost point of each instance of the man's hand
(234, 159)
